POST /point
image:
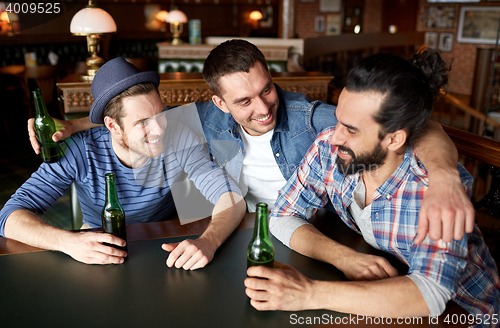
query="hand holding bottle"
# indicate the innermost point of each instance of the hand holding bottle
(44, 127)
(64, 129)
(261, 249)
(94, 247)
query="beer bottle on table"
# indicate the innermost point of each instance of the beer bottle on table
(45, 128)
(113, 215)
(260, 250)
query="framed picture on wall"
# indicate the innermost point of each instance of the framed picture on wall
(431, 39)
(478, 24)
(440, 17)
(445, 42)
(333, 24)
(319, 24)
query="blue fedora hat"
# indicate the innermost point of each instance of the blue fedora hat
(111, 79)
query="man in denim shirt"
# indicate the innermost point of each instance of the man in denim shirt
(260, 133)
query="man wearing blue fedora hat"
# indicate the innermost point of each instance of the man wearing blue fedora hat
(148, 160)
(260, 133)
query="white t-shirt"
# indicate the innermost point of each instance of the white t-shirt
(261, 178)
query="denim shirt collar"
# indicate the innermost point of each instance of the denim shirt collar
(219, 121)
(281, 114)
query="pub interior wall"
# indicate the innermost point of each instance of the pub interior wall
(463, 55)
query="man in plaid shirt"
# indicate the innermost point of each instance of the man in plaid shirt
(368, 169)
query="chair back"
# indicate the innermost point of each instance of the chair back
(45, 77)
(140, 63)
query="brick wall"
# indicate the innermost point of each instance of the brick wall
(372, 16)
(463, 55)
(461, 77)
(305, 12)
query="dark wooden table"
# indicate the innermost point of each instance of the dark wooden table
(43, 288)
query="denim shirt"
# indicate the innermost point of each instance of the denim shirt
(299, 121)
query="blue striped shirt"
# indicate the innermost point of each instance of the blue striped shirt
(145, 193)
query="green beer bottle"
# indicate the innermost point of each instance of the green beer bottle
(113, 215)
(260, 250)
(45, 128)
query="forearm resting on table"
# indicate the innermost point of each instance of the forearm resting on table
(310, 242)
(393, 297)
(226, 216)
(86, 247)
(29, 228)
(301, 236)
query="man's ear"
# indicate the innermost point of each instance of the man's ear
(219, 102)
(112, 126)
(396, 140)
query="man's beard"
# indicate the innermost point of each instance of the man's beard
(368, 161)
(138, 149)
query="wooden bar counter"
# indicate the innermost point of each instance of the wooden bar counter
(183, 88)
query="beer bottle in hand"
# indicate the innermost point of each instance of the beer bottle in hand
(261, 249)
(45, 128)
(112, 215)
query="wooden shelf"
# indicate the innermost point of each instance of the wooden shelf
(183, 88)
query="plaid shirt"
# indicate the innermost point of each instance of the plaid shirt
(464, 267)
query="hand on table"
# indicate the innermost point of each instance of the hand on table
(64, 130)
(446, 211)
(87, 247)
(189, 254)
(282, 288)
(361, 266)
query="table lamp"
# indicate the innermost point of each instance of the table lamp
(161, 16)
(176, 18)
(91, 22)
(255, 16)
(6, 20)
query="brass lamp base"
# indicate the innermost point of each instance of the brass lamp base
(94, 62)
(86, 78)
(177, 40)
(176, 30)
